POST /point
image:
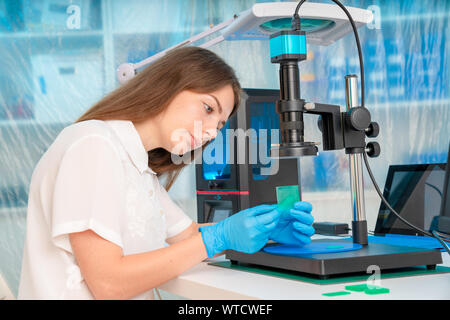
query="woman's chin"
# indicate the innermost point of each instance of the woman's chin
(180, 149)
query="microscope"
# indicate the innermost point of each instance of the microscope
(340, 130)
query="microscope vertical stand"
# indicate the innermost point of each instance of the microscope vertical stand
(359, 223)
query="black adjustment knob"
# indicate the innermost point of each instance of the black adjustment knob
(319, 123)
(373, 130)
(373, 149)
(358, 118)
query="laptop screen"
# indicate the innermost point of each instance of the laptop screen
(445, 209)
(415, 192)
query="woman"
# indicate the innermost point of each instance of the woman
(98, 218)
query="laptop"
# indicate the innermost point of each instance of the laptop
(420, 194)
(441, 223)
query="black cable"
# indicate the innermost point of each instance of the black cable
(358, 44)
(443, 236)
(434, 234)
(434, 188)
(296, 19)
(298, 7)
(441, 241)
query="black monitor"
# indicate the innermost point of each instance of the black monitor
(441, 223)
(445, 208)
(416, 192)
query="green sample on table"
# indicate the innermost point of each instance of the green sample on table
(287, 196)
(366, 289)
(356, 288)
(376, 290)
(335, 294)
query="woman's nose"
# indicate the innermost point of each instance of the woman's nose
(210, 134)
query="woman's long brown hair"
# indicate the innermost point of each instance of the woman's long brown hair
(152, 90)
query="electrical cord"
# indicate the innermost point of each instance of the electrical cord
(441, 241)
(296, 24)
(358, 44)
(446, 236)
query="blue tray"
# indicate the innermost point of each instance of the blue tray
(406, 240)
(313, 248)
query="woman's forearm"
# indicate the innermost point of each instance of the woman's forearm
(111, 275)
(151, 269)
(138, 273)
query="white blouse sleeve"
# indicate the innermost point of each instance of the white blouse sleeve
(176, 220)
(89, 192)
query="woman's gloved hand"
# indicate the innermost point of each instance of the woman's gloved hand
(295, 225)
(246, 231)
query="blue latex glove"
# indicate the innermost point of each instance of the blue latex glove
(246, 231)
(295, 225)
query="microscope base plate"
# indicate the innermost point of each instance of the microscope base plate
(323, 265)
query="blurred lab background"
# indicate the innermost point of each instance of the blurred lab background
(58, 57)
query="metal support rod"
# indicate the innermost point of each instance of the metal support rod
(357, 190)
(359, 225)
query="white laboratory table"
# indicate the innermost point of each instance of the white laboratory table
(212, 282)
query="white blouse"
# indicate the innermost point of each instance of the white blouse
(94, 176)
